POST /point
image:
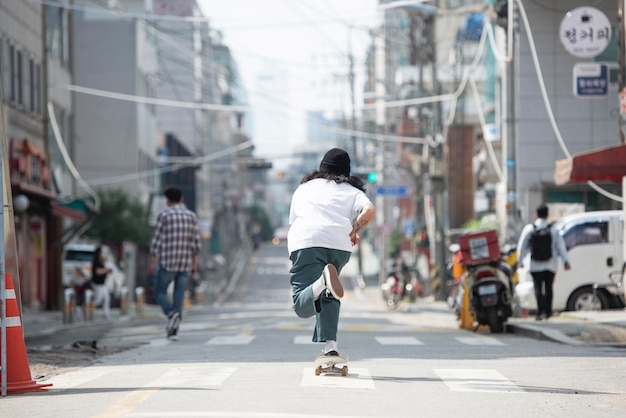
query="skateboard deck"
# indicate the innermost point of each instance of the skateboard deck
(328, 364)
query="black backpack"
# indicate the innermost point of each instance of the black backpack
(541, 243)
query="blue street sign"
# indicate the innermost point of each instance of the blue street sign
(392, 190)
(591, 79)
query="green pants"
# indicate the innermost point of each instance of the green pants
(307, 266)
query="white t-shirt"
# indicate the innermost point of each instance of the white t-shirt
(322, 214)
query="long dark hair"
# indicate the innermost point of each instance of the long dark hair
(97, 255)
(337, 178)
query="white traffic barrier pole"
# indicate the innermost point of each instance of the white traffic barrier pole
(140, 300)
(89, 305)
(69, 305)
(124, 301)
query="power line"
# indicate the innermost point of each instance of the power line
(154, 101)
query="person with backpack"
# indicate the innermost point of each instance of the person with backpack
(544, 245)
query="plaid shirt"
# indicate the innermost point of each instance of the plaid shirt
(176, 238)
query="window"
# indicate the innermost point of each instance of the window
(37, 88)
(57, 34)
(31, 86)
(26, 82)
(53, 29)
(2, 69)
(586, 234)
(65, 39)
(11, 74)
(19, 76)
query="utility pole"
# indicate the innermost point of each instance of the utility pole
(622, 87)
(351, 80)
(382, 72)
(508, 139)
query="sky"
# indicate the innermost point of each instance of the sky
(292, 56)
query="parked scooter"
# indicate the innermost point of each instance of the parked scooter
(490, 295)
(487, 286)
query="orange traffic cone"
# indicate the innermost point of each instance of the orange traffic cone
(18, 371)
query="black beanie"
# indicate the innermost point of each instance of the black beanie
(336, 161)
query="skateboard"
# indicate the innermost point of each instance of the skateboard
(328, 364)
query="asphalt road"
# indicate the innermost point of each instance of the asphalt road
(251, 356)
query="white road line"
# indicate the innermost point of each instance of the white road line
(303, 339)
(476, 380)
(196, 376)
(398, 341)
(161, 342)
(356, 379)
(229, 414)
(231, 340)
(79, 377)
(479, 341)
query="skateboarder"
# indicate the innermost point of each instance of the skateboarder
(328, 210)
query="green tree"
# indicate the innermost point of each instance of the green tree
(121, 218)
(259, 215)
(394, 243)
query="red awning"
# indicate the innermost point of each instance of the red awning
(607, 164)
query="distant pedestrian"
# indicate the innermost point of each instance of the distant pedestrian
(544, 245)
(99, 273)
(328, 210)
(174, 256)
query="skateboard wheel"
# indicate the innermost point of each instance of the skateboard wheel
(318, 370)
(344, 371)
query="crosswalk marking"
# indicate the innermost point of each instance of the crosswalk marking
(398, 341)
(479, 341)
(356, 379)
(189, 376)
(204, 376)
(79, 377)
(303, 339)
(196, 376)
(161, 342)
(476, 380)
(231, 340)
(244, 338)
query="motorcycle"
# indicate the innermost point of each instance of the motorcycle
(490, 295)
(392, 291)
(401, 282)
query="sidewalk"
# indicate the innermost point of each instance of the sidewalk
(43, 323)
(604, 328)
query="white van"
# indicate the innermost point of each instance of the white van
(594, 242)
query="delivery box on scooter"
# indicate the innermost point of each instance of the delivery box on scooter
(479, 247)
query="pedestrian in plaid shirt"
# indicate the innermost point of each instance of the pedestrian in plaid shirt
(175, 245)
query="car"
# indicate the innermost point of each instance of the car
(594, 242)
(280, 235)
(77, 258)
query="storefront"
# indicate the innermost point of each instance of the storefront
(32, 194)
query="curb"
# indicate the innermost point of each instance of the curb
(540, 333)
(554, 335)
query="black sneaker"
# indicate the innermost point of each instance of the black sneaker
(173, 337)
(172, 325)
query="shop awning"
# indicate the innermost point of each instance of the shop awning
(77, 209)
(606, 164)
